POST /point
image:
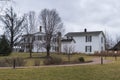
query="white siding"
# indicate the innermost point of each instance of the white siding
(38, 47)
(102, 44)
(68, 44)
(81, 43)
(39, 44)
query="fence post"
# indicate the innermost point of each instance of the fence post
(101, 60)
(14, 62)
(101, 57)
(115, 54)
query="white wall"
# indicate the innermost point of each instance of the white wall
(68, 44)
(38, 47)
(81, 43)
(102, 44)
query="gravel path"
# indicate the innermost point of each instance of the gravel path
(95, 61)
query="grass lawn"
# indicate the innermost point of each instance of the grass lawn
(109, 71)
(39, 56)
(84, 72)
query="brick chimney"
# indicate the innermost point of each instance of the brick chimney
(59, 42)
(40, 28)
(85, 30)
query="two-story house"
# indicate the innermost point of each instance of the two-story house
(37, 43)
(86, 42)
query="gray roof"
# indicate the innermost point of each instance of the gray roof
(27, 35)
(67, 40)
(39, 33)
(83, 33)
(116, 47)
(31, 35)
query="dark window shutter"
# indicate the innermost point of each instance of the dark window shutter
(86, 38)
(85, 48)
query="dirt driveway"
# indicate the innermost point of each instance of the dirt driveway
(94, 61)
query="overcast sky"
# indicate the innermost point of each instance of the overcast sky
(95, 15)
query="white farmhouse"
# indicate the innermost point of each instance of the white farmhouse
(36, 42)
(80, 42)
(85, 42)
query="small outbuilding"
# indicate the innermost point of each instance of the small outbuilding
(116, 47)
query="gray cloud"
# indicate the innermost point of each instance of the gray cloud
(79, 14)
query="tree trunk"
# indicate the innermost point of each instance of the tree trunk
(48, 51)
(30, 54)
(11, 45)
(30, 50)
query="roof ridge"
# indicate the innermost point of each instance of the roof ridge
(78, 33)
(85, 32)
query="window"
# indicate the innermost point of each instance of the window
(88, 38)
(34, 38)
(53, 48)
(44, 37)
(28, 39)
(101, 39)
(24, 39)
(101, 48)
(88, 48)
(39, 37)
(54, 40)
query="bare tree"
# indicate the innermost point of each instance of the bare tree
(52, 24)
(117, 39)
(30, 28)
(31, 22)
(68, 49)
(13, 26)
(109, 43)
(39, 46)
(3, 4)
